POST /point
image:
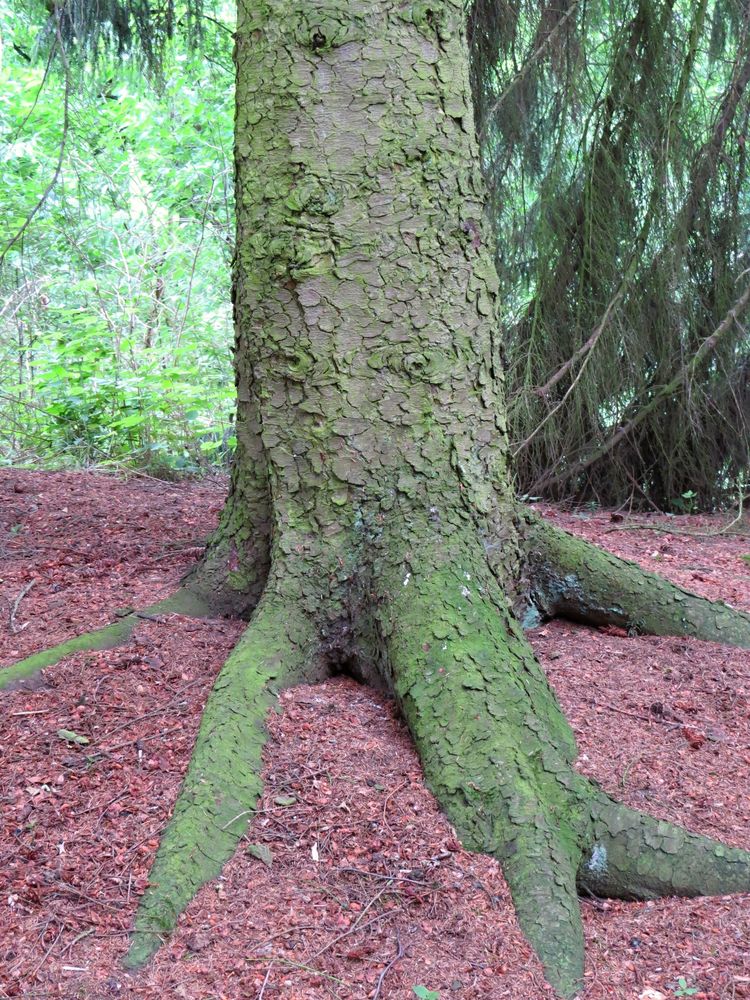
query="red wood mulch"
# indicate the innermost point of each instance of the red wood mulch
(368, 893)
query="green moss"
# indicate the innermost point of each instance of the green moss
(104, 638)
(182, 601)
(223, 782)
(573, 578)
(496, 749)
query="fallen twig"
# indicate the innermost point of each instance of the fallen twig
(149, 715)
(47, 953)
(357, 925)
(387, 799)
(74, 942)
(389, 878)
(265, 981)
(12, 619)
(387, 969)
(665, 530)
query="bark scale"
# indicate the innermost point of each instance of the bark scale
(365, 295)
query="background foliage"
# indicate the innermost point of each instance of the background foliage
(614, 139)
(115, 316)
(614, 145)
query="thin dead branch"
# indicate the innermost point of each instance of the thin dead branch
(12, 627)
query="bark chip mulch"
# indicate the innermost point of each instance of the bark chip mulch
(349, 883)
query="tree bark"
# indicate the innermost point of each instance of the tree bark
(571, 578)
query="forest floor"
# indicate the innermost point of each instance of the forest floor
(350, 883)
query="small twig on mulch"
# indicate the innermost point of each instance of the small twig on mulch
(265, 982)
(150, 715)
(79, 937)
(12, 628)
(684, 532)
(47, 953)
(357, 925)
(283, 960)
(670, 723)
(387, 969)
(387, 799)
(390, 878)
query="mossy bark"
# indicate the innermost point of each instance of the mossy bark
(233, 572)
(371, 503)
(496, 749)
(222, 785)
(498, 753)
(572, 578)
(366, 352)
(183, 602)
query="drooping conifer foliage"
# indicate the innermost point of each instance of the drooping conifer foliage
(614, 144)
(123, 27)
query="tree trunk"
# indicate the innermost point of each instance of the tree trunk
(371, 502)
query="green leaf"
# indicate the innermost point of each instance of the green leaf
(71, 737)
(424, 994)
(132, 421)
(683, 990)
(285, 800)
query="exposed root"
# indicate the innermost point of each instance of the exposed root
(498, 755)
(572, 578)
(541, 873)
(183, 602)
(223, 783)
(496, 749)
(430, 619)
(634, 856)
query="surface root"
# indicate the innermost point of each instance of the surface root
(223, 783)
(499, 756)
(634, 856)
(24, 671)
(572, 578)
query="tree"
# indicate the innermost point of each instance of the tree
(371, 525)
